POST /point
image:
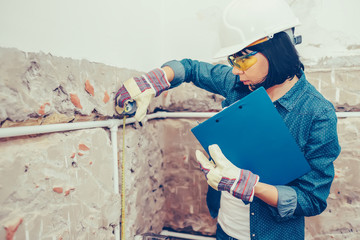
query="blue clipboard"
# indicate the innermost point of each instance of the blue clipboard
(253, 136)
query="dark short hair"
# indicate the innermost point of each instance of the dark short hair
(284, 61)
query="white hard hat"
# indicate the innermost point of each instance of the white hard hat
(246, 21)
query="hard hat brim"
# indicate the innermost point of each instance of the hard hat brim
(224, 52)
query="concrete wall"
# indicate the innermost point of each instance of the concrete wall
(59, 186)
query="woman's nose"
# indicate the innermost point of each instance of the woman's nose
(237, 71)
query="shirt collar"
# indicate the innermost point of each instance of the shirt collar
(289, 100)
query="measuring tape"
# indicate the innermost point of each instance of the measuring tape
(129, 109)
(123, 184)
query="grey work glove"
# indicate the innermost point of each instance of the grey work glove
(225, 176)
(142, 90)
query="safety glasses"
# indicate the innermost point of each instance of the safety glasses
(244, 62)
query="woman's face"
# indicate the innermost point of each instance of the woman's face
(256, 73)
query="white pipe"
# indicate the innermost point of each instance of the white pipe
(348, 114)
(309, 70)
(210, 114)
(61, 127)
(28, 130)
(181, 115)
(184, 235)
(113, 131)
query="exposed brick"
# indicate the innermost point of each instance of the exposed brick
(11, 228)
(42, 108)
(75, 100)
(106, 97)
(89, 88)
(58, 189)
(83, 147)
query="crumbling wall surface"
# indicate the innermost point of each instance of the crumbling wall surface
(38, 85)
(186, 186)
(337, 80)
(186, 98)
(144, 178)
(41, 89)
(341, 220)
(339, 84)
(58, 186)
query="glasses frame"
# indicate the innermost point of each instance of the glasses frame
(232, 58)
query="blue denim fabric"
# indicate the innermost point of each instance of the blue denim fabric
(311, 120)
(221, 235)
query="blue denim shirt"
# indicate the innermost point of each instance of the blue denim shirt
(311, 120)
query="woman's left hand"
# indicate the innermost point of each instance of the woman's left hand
(225, 176)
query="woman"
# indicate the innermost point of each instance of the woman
(260, 55)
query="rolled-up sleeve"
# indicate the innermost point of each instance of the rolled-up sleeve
(179, 72)
(287, 201)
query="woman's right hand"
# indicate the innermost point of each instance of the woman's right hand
(141, 90)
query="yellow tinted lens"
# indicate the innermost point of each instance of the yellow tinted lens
(244, 63)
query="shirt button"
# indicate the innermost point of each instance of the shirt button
(252, 213)
(253, 234)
